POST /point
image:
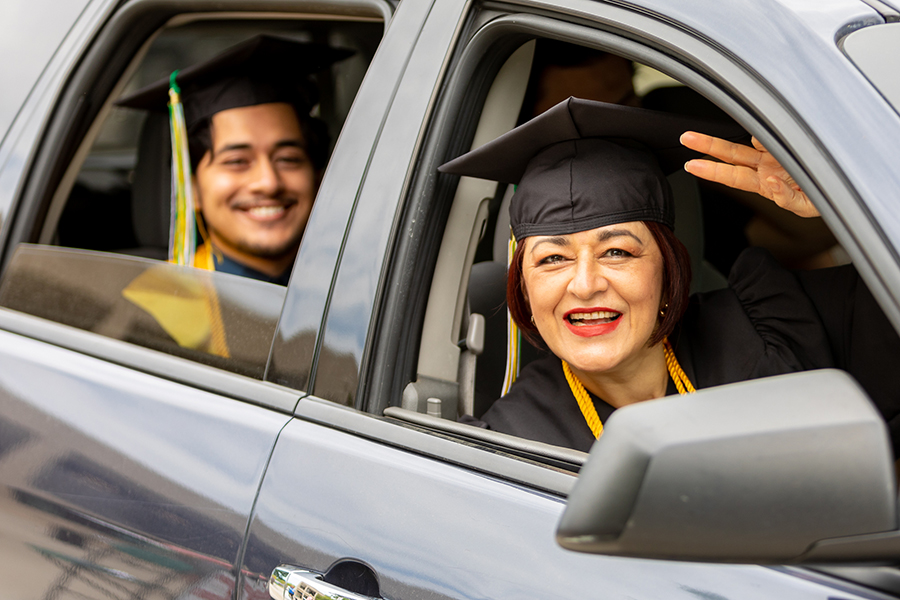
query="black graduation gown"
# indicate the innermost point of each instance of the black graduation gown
(768, 321)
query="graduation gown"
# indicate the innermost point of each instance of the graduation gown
(768, 321)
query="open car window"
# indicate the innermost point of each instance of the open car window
(118, 200)
(101, 232)
(462, 354)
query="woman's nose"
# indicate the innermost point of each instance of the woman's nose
(588, 279)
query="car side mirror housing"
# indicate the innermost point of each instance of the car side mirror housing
(789, 469)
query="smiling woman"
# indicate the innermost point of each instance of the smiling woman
(600, 279)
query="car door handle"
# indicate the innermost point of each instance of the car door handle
(293, 583)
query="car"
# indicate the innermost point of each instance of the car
(322, 457)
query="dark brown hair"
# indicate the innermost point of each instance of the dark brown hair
(675, 292)
(315, 138)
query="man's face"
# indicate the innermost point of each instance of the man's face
(256, 186)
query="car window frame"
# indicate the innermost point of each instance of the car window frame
(77, 105)
(715, 73)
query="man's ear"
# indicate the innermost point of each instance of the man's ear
(198, 197)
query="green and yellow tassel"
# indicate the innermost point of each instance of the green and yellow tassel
(182, 227)
(513, 335)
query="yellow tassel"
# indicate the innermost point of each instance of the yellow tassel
(513, 336)
(182, 236)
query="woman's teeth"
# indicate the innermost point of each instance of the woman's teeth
(604, 315)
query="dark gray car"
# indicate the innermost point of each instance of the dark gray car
(323, 452)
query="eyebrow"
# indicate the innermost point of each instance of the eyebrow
(281, 144)
(612, 233)
(556, 240)
(603, 236)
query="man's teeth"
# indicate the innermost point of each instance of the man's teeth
(266, 211)
(592, 316)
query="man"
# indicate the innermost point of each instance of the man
(256, 154)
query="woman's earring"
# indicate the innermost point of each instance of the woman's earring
(532, 319)
(662, 311)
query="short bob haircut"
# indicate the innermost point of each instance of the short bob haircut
(675, 292)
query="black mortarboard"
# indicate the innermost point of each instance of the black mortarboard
(585, 164)
(260, 70)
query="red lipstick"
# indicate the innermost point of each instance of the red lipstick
(587, 327)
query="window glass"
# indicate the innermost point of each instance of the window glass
(104, 242)
(217, 319)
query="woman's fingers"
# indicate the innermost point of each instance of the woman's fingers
(748, 169)
(736, 154)
(742, 178)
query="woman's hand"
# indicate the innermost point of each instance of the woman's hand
(748, 169)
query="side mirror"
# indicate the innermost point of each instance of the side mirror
(788, 469)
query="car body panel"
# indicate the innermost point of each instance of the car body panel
(429, 529)
(120, 481)
(39, 29)
(19, 140)
(352, 301)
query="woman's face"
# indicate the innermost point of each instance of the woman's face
(595, 295)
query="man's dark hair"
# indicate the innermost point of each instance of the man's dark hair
(315, 137)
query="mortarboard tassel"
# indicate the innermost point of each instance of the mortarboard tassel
(182, 227)
(513, 336)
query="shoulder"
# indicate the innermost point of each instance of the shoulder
(540, 406)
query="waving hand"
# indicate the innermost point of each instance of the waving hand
(749, 169)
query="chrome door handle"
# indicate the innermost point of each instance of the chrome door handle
(293, 583)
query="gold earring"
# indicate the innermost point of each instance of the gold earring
(532, 319)
(662, 311)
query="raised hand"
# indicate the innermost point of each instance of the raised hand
(749, 169)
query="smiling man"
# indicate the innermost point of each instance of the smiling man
(256, 153)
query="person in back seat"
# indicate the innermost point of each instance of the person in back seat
(254, 151)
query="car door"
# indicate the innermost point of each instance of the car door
(130, 457)
(373, 489)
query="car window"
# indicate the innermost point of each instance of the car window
(116, 201)
(460, 360)
(101, 231)
(217, 319)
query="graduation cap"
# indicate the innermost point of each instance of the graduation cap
(584, 164)
(261, 70)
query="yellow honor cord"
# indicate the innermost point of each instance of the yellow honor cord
(682, 383)
(584, 401)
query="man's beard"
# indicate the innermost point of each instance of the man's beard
(270, 251)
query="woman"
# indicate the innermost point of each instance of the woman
(600, 278)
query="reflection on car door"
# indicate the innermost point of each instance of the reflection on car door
(122, 484)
